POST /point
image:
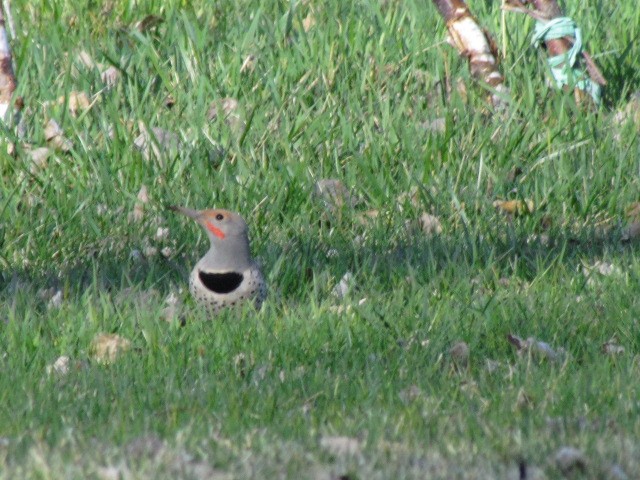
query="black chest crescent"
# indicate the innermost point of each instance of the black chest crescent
(221, 282)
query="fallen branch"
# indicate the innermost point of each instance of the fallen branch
(476, 44)
(563, 40)
(7, 78)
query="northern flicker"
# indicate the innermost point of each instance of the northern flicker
(227, 275)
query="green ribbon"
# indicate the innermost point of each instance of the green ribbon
(563, 67)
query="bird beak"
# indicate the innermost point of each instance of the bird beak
(186, 211)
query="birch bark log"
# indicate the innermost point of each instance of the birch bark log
(475, 43)
(7, 78)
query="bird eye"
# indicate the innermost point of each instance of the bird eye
(219, 216)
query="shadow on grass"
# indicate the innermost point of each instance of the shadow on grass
(503, 252)
(622, 75)
(293, 266)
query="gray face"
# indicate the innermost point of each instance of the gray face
(227, 232)
(222, 224)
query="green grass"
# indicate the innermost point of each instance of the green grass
(259, 395)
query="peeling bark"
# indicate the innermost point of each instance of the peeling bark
(545, 10)
(476, 44)
(7, 78)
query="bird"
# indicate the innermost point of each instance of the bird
(227, 276)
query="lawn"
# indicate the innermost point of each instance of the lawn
(414, 328)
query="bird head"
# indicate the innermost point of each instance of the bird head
(227, 232)
(222, 226)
